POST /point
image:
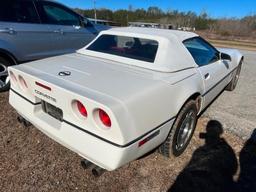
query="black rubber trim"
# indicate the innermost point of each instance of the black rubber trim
(218, 82)
(39, 103)
(117, 145)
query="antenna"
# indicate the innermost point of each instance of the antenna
(95, 11)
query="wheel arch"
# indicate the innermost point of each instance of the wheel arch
(239, 58)
(8, 56)
(196, 97)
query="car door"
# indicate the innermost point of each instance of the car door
(212, 68)
(21, 31)
(69, 30)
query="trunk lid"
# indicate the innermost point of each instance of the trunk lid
(94, 74)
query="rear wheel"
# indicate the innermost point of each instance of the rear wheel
(181, 132)
(4, 77)
(233, 83)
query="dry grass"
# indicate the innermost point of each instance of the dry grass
(238, 42)
(245, 45)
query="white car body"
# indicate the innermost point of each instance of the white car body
(141, 98)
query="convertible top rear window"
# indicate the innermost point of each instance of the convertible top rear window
(130, 47)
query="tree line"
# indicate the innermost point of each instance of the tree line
(225, 26)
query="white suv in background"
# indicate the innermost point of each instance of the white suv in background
(35, 29)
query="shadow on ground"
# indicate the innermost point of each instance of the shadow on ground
(247, 177)
(213, 166)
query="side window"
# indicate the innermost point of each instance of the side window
(202, 52)
(52, 13)
(18, 11)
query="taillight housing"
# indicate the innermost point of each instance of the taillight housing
(81, 109)
(104, 118)
(12, 77)
(23, 83)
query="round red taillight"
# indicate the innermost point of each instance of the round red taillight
(105, 119)
(81, 108)
(23, 83)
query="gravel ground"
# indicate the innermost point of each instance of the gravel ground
(236, 110)
(30, 161)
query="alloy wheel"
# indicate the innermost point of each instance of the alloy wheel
(186, 130)
(4, 78)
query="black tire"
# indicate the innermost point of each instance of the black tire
(233, 83)
(170, 147)
(4, 85)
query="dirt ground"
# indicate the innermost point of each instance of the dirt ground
(30, 161)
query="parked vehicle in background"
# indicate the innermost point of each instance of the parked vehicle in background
(35, 29)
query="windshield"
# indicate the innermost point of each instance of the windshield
(130, 47)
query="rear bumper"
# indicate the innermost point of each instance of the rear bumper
(98, 151)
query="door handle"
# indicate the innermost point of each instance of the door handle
(10, 31)
(207, 76)
(59, 31)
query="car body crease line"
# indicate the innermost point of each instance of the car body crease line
(39, 103)
(183, 79)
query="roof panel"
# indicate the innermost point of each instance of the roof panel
(171, 55)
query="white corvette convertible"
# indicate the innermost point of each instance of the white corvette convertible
(128, 92)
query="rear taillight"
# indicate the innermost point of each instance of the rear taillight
(13, 77)
(23, 83)
(100, 117)
(104, 118)
(81, 108)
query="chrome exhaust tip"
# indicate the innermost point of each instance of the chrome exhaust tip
(86, 164)
(23, 121)
(97, 171)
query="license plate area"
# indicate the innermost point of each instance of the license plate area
(53, 111)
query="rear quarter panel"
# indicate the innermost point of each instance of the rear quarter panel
(160, 102)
